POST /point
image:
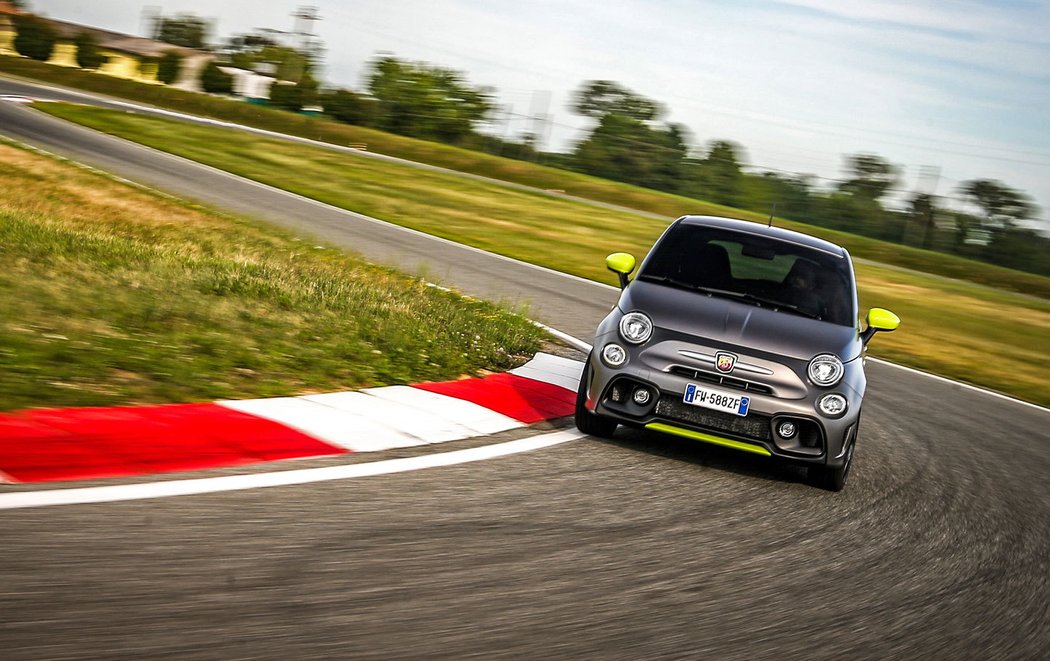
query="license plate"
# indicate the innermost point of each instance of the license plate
(718, 400)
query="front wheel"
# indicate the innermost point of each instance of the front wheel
(587, 422)
(834, 479)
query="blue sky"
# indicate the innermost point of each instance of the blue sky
(962, 87)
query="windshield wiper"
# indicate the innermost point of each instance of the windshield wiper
(735, 295)
(758, 300)
(669, 280)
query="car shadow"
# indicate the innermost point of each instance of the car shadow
(706, 455)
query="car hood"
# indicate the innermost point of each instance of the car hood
(742, 324)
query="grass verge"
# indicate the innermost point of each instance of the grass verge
(113, 295)
(529, 174)
(991, 338)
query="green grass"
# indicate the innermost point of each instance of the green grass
(113, 295)
(992, 338)
(601, 190)
(522, 224)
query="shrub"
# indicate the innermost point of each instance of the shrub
(286, 96)
(349, 107)
(88, 55)
(35, 38)
(216, 81)
(168, 67)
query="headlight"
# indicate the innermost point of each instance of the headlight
(832, 405)
(825, 370)
(636, 327)
(614, 355)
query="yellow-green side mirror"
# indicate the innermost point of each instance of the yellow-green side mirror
(622, 264)
(880, 319)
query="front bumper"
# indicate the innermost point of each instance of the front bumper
(819, 440)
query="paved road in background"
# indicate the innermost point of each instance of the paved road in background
(638, 547)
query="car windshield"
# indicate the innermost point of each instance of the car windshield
(754, 269)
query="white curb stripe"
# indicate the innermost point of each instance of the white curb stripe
(405, 419)
(555, 370)
(400, 416)
(331, 425)
(124, 492)
(477, 418)
(565, 337)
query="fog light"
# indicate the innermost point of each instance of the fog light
(787, 429)
(614, 355)
(832, 405)
(642, 396)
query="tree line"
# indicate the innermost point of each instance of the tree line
(628, 142)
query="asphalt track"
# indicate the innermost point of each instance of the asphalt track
(633, 548)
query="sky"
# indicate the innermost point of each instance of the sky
(947, 90)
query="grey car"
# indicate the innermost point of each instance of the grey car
(739, 335)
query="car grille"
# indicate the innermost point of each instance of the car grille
(753, 425)
(719, 380)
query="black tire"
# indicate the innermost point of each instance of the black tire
(587, 422)
(834, 479)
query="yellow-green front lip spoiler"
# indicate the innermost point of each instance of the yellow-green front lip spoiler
(708, 438)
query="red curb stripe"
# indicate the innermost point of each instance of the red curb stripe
(87, 443)
(518, 397)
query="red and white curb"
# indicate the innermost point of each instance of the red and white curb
(88, 443)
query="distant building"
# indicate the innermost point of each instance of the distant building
(7, 27)
(252, 85)
(128, 56)
(136, 58)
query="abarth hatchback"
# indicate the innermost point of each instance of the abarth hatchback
(739, 335)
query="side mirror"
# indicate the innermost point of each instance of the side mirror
(880, 319)
(622, 264)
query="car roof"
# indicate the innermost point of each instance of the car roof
(758, 229)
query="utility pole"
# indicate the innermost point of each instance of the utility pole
(541, 103)
(307, 43)
(150, 21)
(929, 179)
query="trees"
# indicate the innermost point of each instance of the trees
(857, 206)
(168, 67)
(626, 149)
(88, 55)
(1001, 204)
(720, 175)
(871, 176)
(792, 195)
(349, 107)
(624, 144)
(923, 210)
(294, 96)
(1019, 248)
(249, 51)
(216, 81)
(186, 30)
(35, 38)
(425, 101)
(600, 98)
(285, 96)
